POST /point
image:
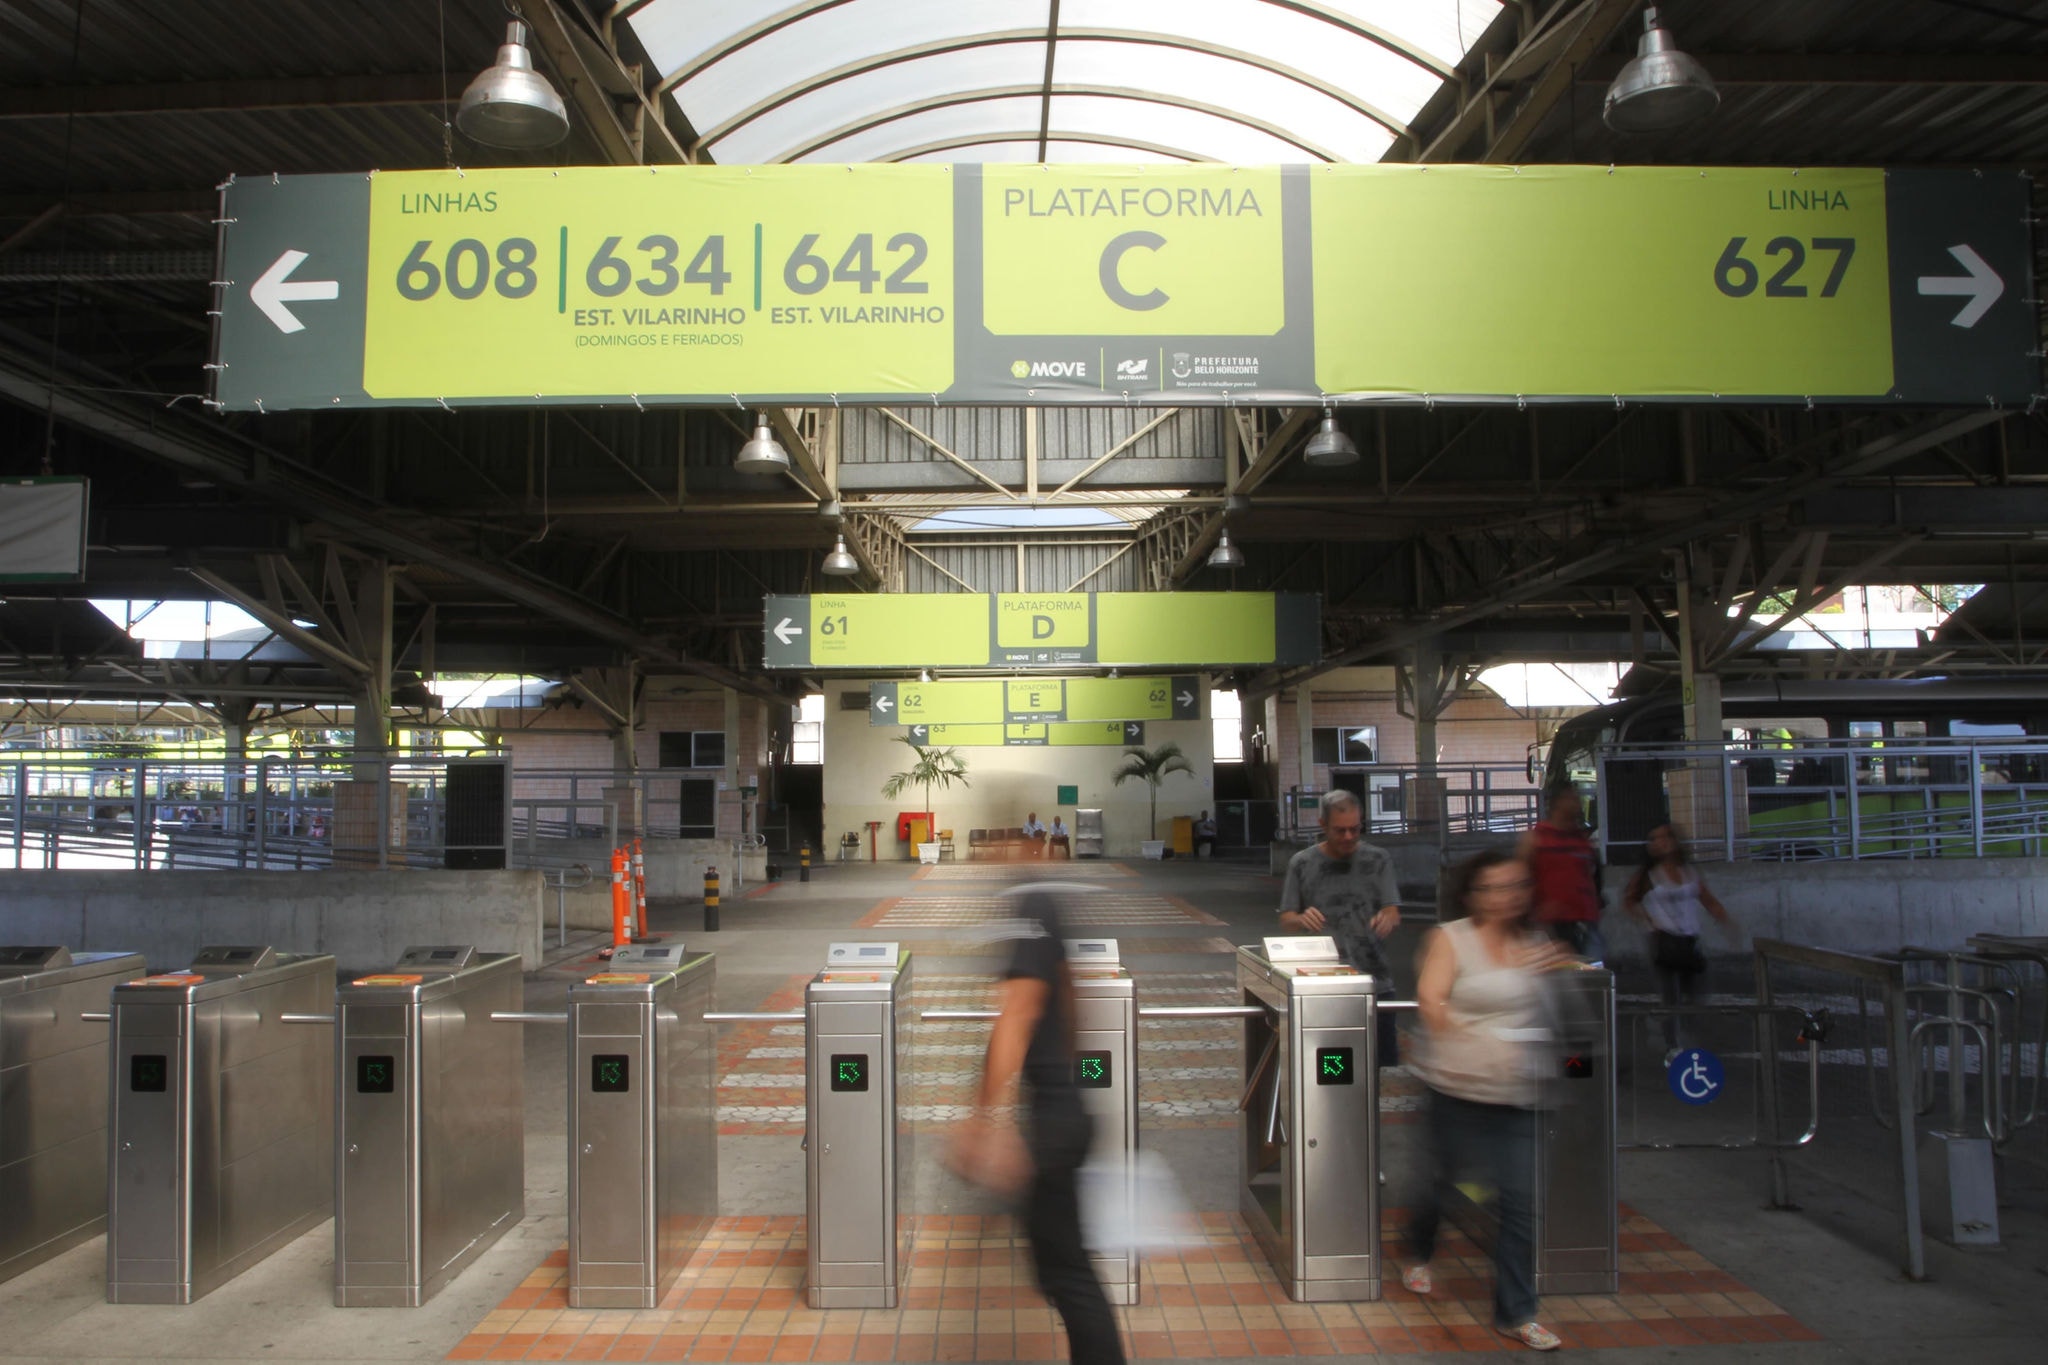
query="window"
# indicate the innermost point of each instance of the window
(1345, 746)
(1225, 716)
(692, 749)
(807, 736)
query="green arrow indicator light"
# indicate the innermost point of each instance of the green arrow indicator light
(849, 1071)
(1333, 1065)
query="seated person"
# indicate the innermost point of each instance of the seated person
(1034, 834)
(1205, 833)
(1056, 840)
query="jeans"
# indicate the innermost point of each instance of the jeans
(1052, 1220)
(1681, 979)
(1496, 1144)
(1582, 936)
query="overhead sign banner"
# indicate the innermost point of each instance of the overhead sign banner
(1152, 284)
(1040, 631)
(1057, 735)
(1022, 701)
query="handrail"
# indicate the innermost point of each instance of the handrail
(1985, 1036)
(1886, 971)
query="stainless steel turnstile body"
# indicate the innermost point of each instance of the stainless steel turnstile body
(1578, 1229)
(856, 1025)
(430, 1123)
(1105, 1069)
(1309, 1179)
(53, 1108)
(221, 1124)
(643, 1124)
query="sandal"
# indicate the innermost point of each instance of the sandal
(1416, 1280)
(1533, 1335)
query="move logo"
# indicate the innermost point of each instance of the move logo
(1048, 369)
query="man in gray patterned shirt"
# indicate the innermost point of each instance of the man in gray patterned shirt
(1344, 888)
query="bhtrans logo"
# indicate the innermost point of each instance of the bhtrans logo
(1049, 369)
(1139, 367)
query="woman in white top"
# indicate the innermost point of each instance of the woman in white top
(1480, 996)
(1667, 893)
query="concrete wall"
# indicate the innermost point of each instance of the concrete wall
(1868, 907)
(364, 918)
(1005, 782)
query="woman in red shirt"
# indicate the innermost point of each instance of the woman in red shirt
(1566, 869)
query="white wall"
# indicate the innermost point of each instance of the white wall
(1005, 783)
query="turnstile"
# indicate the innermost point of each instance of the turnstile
(53, 1110)
(856, 1142)
(430, 1123)
(643, 1124)
(221, 1131)
(1578, 1230)
(1309, 1174)
(1105, 1070)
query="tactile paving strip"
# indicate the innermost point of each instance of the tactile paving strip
(968, 1295)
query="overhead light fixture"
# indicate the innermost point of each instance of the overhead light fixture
(1661, 87)
(510, 104)
(762, 454)
(1226, 555)
(924, 675)
(840, 563)
(1330, 448)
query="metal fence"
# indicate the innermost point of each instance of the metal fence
(1443, 801)
(1804, 800)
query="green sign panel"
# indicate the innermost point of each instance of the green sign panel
(1016, 701)
(1159, 284)
(1054, 734)
(1044, 630)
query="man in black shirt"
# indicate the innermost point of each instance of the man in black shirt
(1033, 1038)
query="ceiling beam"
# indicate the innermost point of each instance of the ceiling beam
(225, 97)
(1849, 68)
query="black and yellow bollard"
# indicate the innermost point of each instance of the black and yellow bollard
(710, 900)
(803, 865)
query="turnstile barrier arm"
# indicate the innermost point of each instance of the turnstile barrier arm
(96, 1017)
(1814, 1025)
(765, 1016)
(305, 1018)
(527, 1017)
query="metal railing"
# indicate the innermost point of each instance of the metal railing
(1444, 801)
(1833, 799)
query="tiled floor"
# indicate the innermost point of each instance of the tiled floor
(969, 1295)
(966, 909)
(1020, 870)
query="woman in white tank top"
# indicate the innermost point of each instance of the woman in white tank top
(1667, 894)
(1479, 993)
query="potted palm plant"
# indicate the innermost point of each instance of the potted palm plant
(941, 768)
(1151, 766)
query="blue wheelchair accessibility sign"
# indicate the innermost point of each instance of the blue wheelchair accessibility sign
(1695, 1076)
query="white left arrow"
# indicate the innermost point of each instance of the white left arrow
(786, 628)
(272, 291)
(882, 704)
(1981, 286)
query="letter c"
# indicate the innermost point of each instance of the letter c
(1112, 257)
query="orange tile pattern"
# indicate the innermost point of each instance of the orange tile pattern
(969, 1296)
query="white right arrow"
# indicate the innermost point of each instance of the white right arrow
(1981, 286)
(786, 628)
(272, 291)
(883, 704)
(1184, 698)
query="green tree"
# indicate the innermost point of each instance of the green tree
(941, 768)
(1151, 766)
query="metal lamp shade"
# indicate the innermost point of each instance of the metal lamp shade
(512, 105)
(1226, 555)
(1330, 447)
(1661, 87)
(762, 454)
(840, 564)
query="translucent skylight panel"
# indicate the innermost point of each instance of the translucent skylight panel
(1271, 97)
(1380, 77)
(1026, 149)
(1445, 29)
(1166, 125)
(676, 32)
(1004, 117)
(834, 38)
(782, 133)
